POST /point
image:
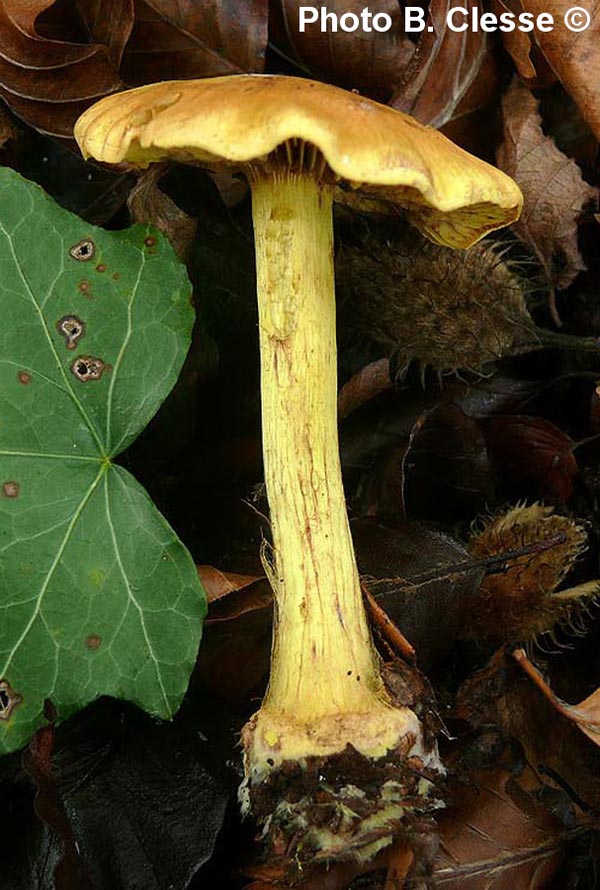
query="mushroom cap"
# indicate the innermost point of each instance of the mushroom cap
(238, 120)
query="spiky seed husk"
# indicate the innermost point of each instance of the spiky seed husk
(447, 309)
(520, 603)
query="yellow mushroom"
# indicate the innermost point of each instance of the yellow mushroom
(296, 140)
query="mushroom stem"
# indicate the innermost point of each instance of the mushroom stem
(321, 628)
(325, 690)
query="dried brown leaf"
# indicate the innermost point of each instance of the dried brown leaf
(572, 56)
(501, 695)
(532, 454)
(110, 23)
(474, 124)
(59, 58)
(234, 656)
(175, 39)
(554, 191)
(446, 464)
(148, 203)
(230, 594)
(585, 715)
(442, 69)
(415, 572)
(218, 584)
(494, 835)
(237, 31)
(442, 469)
(372, 63)
(518, 43)
(363, 386)
(526, 54)
(8, 130)
(49, 82)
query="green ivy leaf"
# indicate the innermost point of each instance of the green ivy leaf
(97, 594)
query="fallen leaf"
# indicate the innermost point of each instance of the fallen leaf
(585, 715)
(554, 191)
(501, 695)
(441, 470)
(496, 835)
(218, 584)
(109, 23)
(534, 456)
(180, 39)
(365, 385)
(230, 594)
(529, 60)
(236, 31)
(49, 82)
(233, 662)
(415, 572)
(149, 204)
(571, 55)
(370, 62)
(517, 42)
(49, 807)
(442, 69)
(146, 799)
(59, 58)
(446, 465)
(474, 124)
(383, 423)
(8, 130)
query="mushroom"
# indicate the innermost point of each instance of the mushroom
(326, 712)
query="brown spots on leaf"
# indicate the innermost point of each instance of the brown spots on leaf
(150, 241)
(116, 276)
(93, 642)
(84, 287)
(9, 700)
(88, 367)
(101, 267)
(11, 489)
(83, 251)
(72, 329)
(24, 377)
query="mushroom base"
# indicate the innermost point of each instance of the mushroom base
(319, 796)
(345, 807)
